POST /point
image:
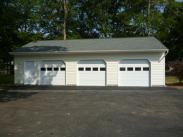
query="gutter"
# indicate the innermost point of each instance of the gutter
(93, 51)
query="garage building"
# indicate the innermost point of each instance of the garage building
(136, 61)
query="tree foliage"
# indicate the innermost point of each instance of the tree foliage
(23, 21)
(8, 30)
(178, 70)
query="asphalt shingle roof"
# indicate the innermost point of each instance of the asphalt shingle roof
(94, 45)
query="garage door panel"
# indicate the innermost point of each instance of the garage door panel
(91, 77)
(138, 76)
(53, 73)
(91, 73)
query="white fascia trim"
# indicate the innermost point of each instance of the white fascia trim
(93, 51)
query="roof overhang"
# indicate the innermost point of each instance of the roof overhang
(83, 52)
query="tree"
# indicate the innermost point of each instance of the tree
(178, 70)
(9, 18)
(65, 18)
(171, 32)
(53, 18)
(24, 21)
(16, 29)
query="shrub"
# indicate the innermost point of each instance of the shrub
(178, 70)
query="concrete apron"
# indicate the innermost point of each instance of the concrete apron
(81, 89)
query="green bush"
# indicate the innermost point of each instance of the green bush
(6, 79)
(178, 70)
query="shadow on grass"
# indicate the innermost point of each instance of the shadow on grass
(175, 84)
(6, 96)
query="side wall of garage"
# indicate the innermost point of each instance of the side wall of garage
(156, 59)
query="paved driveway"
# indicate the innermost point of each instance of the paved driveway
(99, 113)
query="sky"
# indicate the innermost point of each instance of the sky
(179, 0)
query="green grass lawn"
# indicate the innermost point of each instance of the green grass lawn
(173, 80)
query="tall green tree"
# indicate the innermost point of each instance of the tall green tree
(23, 21)
(171, 33)
(9, 18)
(54, 18)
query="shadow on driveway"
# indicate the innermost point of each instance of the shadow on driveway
(6, 96)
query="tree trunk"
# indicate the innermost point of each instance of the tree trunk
(148, 17)
(65, 19)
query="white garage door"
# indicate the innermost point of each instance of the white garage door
(134, 73)
(52, 73)
(91, 73)
(30, 77)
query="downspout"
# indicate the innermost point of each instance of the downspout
(166, 52)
